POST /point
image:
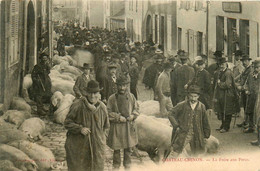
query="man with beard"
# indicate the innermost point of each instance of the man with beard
(227, 102)
(41, 84)
(190, 123)
(242, 81)
(86, 123)
(82, 81)
(123, 110)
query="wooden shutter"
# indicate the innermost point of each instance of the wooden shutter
(253, 39)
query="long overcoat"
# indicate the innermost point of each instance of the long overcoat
(78, 147)
(181, 116)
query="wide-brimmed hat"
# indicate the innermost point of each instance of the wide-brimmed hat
(194, 89)
(245, 57)
(158, 51)
(122, 80)
(92, 87)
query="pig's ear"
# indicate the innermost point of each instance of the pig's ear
(54, 102)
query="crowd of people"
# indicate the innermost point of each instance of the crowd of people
(186, 92)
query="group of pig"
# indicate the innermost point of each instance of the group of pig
(19, 131)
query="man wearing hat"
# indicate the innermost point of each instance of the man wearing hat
(215, 66)
(238, 68)
(61, 46)
(134, 74)
(241, 84)
(227, 100)
(175, 65)
(86, 123)
(122, 110)
(182, 76)
(202, 80)
(109, 86)
(82, 81)
(41, 86)
(164, 90)
(252, 90)
(190, 123)
(152, 72)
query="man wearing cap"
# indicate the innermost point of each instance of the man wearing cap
(41, 85)
(122, 110)
(227, 101)
(182, 76)
(241, 84)
(190, 123)
(152, 72)
(86, 123)
(82, 81)
(134, 74)
(109, 86)
(252, 90)
(202, 80)
(164, 90)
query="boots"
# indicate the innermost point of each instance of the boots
(257, 142)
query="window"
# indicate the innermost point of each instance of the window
(220, 33)
(231, 37)
(136, 5)
(13, 39)
(244, 36)
(198, 5)
(199, 43)
(179, 37)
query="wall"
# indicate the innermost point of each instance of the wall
(96, 14)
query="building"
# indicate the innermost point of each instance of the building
(95, 13)
(23, 24)
(234, 25)
(152, 20)
(114, 15)
(192, 27)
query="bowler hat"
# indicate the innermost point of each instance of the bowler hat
(238, 53)
(180, 52)
(200, 62)
(86, 66)
(92, 87)
(112, 65)
(194, 89)
(257, 63)
(245, 57)
(218, 54)
(122, 80)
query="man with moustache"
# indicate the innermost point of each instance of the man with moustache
(123, 110)
(86, 123)
(190, 123)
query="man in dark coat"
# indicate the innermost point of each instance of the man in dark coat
(241, 84)
(82, 81)
(175, 65)
(109, 86)
(123, 110)
(182, 76)
(41, 83)
(251, 90)
(190, 123)
(61, 46)
(202, 80)
(86, 123)
(134, 74)
(152, 72)
(227, 101)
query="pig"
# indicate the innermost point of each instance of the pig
(27, 83)
(33, 127)
(64, 86)
(154, 137)
(150, 108)
(7, 165)
(42, 156)
(17, 157)
(19, 103)
(56, 99)
(10, 133)
(63, 109)
(16, 117)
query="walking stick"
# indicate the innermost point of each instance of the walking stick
(91, 151)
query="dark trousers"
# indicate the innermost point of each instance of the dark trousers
(226, 122)
(117, 158)
(133, 90)
(250, 120)
(40, 99)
